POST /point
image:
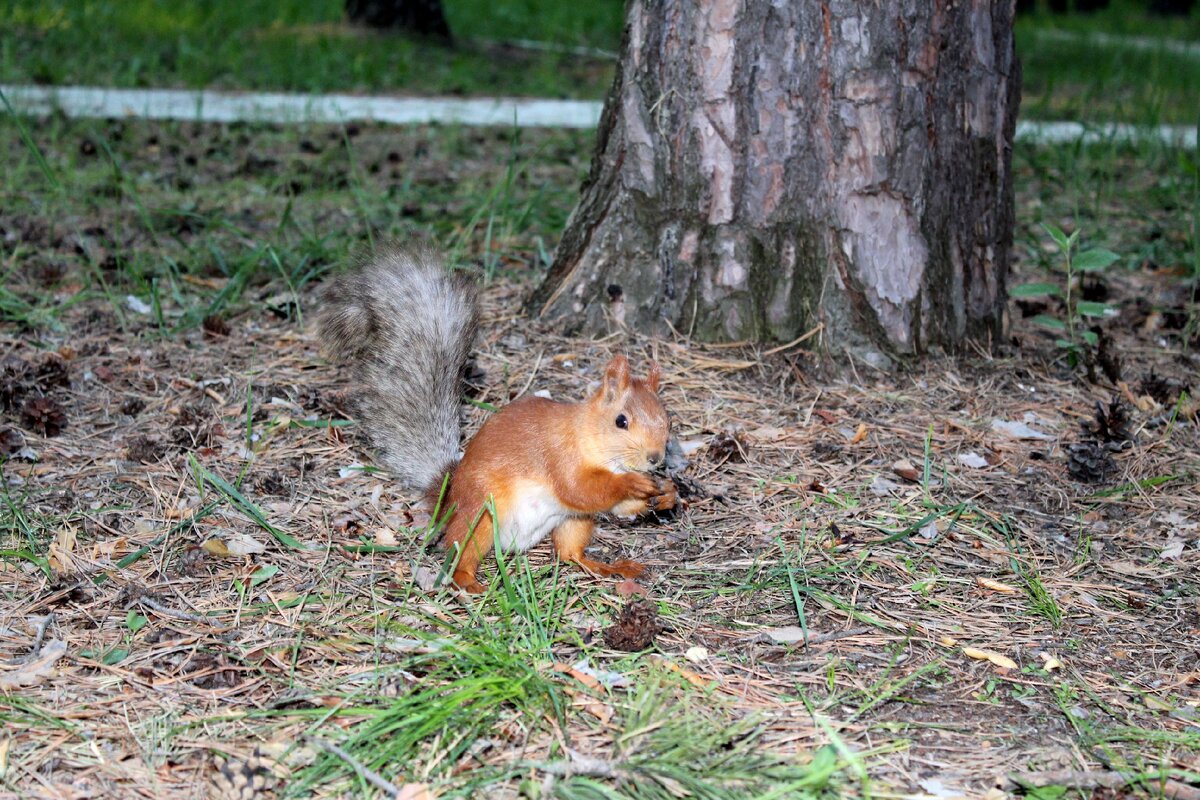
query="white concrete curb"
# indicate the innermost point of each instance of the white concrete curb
(1175, 47)
(211, 106)
(1065, 132)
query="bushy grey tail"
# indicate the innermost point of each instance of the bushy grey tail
(407, 326)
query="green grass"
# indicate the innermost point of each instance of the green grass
(305, 46)
(198, 220)
(465, 680)
(1068, 76)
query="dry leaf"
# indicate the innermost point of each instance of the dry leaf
(415, 791)
(425, 578)
(1019, 430)
(695, 679)
(629, 588)
(587, 680)
(996, 586)
(1004, 662)
(788, 634)
(696, 655)
(180, 513)
(386, 537)
(62, 549)
(110, 547)
(241, 544)
(604, 676)
(860, 433)
(905, 469)
(599, 710)
(36, 670)
(215, 547)
(1049, 662)
(973, 460)
(1174, 549)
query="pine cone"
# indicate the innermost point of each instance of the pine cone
(215, 325)
(242, 780)
(44, 415)
(1111, 424)
(635, 628)
(1090, 462)
(727, 446)
(1164, 390)
(52, 372)
(14, 383)
(11, 441)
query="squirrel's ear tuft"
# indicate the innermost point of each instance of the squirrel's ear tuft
(616, 379)
(653, 375)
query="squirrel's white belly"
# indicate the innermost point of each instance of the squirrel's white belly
(533, 513)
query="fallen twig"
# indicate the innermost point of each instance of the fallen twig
(1105, 779)
(35, 669)
(370, 776)
(167, 611)
(578, 764)
(39, 634)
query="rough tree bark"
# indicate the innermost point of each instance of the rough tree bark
(423, 17)
(762, 167)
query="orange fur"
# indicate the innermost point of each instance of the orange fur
(549, 467)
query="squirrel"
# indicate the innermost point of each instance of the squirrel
(407, 326)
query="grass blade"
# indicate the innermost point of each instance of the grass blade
(239, 501)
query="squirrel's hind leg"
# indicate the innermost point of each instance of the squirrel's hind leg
(472, 547)
(574, 535)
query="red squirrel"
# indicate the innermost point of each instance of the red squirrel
(407, 326)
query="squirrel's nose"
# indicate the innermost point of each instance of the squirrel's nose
(655, 458)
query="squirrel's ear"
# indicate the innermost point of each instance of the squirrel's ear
(653, 376)
(616, 379)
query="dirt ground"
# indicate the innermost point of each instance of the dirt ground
(954, 573)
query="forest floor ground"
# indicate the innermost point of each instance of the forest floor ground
(891, 584)
(910, 584)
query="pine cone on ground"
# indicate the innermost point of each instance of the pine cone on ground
(14, 384)
(52, 372)
(1090, 462)
(242, 780)
(635, 627)
(44, 415)
(1164, 390)
(11, 441)
(1111, 424)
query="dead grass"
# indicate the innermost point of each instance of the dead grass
(232, 581)
(187, 651)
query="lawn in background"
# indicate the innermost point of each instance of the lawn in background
(303, 45)
(296, 45)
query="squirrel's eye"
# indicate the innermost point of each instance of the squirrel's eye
(622, 421)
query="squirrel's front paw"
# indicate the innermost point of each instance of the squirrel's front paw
(665, 497)
(638, 486)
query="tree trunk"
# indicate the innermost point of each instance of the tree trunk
(764, 167)
(424, 17)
